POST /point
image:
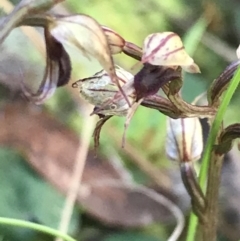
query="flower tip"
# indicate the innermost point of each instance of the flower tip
(75, 84)
(193, 68)
(238, 52)
(116, 42)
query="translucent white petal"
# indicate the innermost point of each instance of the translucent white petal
(184, 139)
(238, 52)
(167, 49)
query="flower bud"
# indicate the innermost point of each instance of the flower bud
(184, 139)
(100, 89)
(226, 139)
(220, 84)
(167, 49)
(115, 41)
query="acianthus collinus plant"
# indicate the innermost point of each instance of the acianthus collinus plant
(116, 92)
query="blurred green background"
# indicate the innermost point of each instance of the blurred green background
(210, 31)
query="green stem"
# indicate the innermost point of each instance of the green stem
(209, 228)
(193, 222)
(34, 226)
(216, 127)
(192, 227)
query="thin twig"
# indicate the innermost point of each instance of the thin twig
(159, 177)
(88, 126)
(159, 198)
(127, 182)
(85, 138)
(221, 48)
(34, 226)
(118, 165)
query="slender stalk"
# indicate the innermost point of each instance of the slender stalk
(192, 227)
(216, 127)
(157, 197)
(85, 139)
(192, 186)
(159, 177)
(209, 231)
(191, 110)
(209, 145)
(186, 109)
(34, 226)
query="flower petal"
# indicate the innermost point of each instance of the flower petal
(88, 36)
(167, 49)
(102, 92)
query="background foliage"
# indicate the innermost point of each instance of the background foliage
(211, 33)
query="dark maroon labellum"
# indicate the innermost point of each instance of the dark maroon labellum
(151, 78)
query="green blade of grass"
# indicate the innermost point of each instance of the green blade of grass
(193, 86)
(216, 126)
(209, 145)
(191, 41)
(34, 226)
(193, 36)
